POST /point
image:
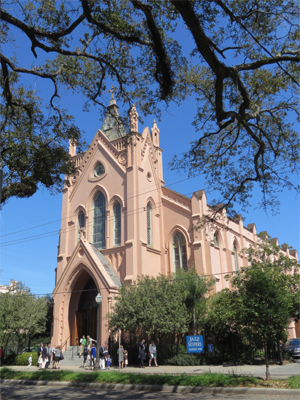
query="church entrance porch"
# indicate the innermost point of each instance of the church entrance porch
(83, 309)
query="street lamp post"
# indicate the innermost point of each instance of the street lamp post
(98, 301)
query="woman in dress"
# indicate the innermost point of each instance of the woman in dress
(142, 353)
(121, 356)
(56, 358)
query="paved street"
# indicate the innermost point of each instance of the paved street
(18, 392)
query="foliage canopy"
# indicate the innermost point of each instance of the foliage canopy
(243, 72)
(22, 316)
(159, 306)
(263, 299)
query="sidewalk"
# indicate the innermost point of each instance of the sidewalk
(276, 371)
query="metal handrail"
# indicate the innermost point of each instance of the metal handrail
(64, 344)
(76, 345)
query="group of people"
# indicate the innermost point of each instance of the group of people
(152, 353)
(89, 352)
(48, 355)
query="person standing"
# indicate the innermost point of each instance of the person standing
(82, 345)
(56, 358)
(121, 356)
(102, 356)
(108, 361)
(93, 354)
(142, 353)
(126, 358)
(49, 355)
(85, 355)
(30, 361)
(40, 354)
(44, 356)
(53, 355)
(88, 342)
(152, 353)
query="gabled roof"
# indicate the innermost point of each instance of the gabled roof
(112, 126)
(95, 262)
(107, 266)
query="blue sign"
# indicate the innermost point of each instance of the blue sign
(194, 344)
(210, 348)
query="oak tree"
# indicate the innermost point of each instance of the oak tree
(243, 72)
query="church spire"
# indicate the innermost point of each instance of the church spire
(113, 126)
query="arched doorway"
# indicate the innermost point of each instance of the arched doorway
(83, 308)
(86, 315)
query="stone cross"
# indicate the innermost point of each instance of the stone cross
(112, 90)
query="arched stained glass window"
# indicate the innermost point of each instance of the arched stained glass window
(236, 264)
(81, 222)
(216, 240)
(117, 224)
(99, 221)
(149, 224)
(179, 251)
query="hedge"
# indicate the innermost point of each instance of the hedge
(22, 359)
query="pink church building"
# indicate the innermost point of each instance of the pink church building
(119, 221)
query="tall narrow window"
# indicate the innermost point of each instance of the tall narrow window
(81, 222)
(179, 251)
(236, 264)
(149, 224)
(99, 221)
(117, 224)
(216, 240)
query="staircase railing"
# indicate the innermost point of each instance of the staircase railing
(72, 350)
(64, 344)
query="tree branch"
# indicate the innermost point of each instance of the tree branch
(164, 75)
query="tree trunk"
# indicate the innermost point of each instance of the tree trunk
(194, 316)
(267, 364)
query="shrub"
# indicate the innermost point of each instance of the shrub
(22, 359)
(184, 360)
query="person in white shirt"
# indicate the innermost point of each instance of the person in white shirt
(30, 361)
(152, 353)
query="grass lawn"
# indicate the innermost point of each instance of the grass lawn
(206, 379)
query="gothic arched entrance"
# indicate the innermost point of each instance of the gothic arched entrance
(86, 314)
(83, 308)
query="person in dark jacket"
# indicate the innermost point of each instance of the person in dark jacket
(44, 356)
(142, 353)
(85, 354)
(102, 353)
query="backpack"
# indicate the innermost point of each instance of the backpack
(85, 351)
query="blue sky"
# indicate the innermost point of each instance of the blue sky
(29, 227)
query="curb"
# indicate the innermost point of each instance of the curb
(156, 388)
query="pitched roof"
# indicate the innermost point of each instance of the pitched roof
(107, 266)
